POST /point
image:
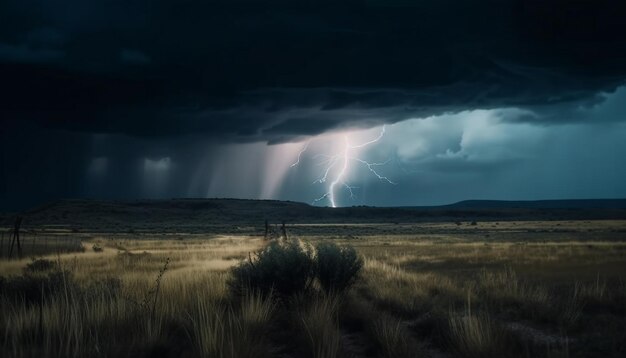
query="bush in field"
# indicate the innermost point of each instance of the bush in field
(289, 267)
(40, 265)
(337, 268)
(42, 279)
(281, 268)
(31, 288)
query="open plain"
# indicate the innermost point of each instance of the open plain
(444, 288)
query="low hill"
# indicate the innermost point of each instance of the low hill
(226, 214)
(541, 204)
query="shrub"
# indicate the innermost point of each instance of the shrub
(31, 287)
(281, 268)
(337, 268)
(97, 248)
(40, 265)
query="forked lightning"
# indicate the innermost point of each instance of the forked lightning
(344, 158)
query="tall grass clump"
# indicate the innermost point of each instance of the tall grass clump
(392, 338)
(320, 324)
(282, 268)
(231, 332)
(337, 268)
(506, 293)
(506, 286)
(572, 309)
(596, 291)
(475, 335)
(207, 328)
(67, 322)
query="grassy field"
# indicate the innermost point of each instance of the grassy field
(486, 289)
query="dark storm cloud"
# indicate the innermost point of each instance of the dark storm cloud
(275, 70)
(24, 53)
(135, 57)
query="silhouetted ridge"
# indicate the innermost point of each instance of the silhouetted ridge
(237, 215)
(542, 204)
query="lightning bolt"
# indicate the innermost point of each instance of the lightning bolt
(382, 133)
(300, 154)
(344, 159)
(339, 177)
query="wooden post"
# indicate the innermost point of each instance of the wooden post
(1, 244)
(8, 243)
(32, 246)
(284, 230)
(11, 244)
(16, 239)
(17, 233)
(267, 228)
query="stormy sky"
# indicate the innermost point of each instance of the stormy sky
(396, 102)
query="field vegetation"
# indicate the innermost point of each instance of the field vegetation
(516, 289)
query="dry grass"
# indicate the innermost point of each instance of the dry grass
(525, 295)
(217, 331)
(393, 338)
(319, 321)
(476, 335)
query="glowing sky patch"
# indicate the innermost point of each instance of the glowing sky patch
(341, 164)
